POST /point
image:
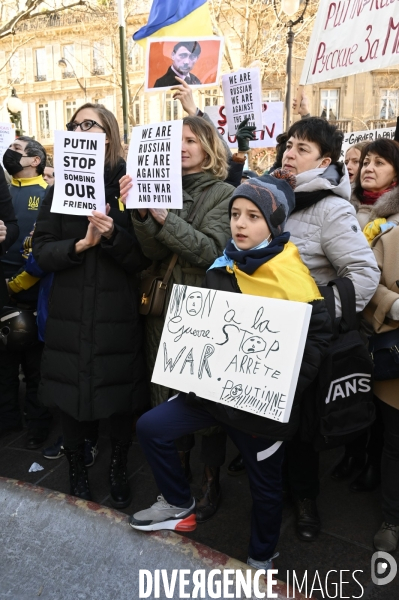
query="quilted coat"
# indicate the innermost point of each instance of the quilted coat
(92, 364)
(197, 245)
(328, 236)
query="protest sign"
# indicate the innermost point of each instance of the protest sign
(242, 351)
(272, 119)
(242, 96)
(352, 36)
(79, 164)
(154, 162)
(368, 135)
(7, 136)
(195, 59)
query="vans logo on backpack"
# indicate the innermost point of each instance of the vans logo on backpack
(351, 384)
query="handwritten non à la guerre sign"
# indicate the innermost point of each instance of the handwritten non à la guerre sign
(243, 351)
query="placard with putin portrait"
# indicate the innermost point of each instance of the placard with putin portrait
(196, 60)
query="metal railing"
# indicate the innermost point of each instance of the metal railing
(44, 22)
(379, 123)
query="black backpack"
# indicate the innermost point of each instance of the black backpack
(344, 386)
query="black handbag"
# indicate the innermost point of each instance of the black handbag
(154, 287)
(384, 350)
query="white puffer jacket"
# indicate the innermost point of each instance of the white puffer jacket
(329, 238)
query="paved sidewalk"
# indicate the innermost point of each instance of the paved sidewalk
(345, 543)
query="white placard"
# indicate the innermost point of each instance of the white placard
(368, 135)
(242, 92)
(240, 350)
(351, 36)
(79, 164)
(272, 118)
(7, 136)
(154, 163)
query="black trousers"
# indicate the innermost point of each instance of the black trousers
(75, 432)
(390, 464)
(37, 415)
(301, 468)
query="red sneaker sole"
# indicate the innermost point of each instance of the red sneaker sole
(189, 524)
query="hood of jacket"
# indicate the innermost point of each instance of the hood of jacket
(334, 179)
(197, 182)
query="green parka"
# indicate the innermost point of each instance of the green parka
(197, 245)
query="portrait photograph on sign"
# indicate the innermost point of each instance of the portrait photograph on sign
(196, 60)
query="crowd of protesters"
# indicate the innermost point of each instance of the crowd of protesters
(87, 351)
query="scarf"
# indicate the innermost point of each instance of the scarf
(248, 261)
(371, 198)
(306, 199)
(376, 227)
(286, 277)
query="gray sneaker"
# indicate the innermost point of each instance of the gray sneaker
(386, 538)
(262, 564)
(162, 515)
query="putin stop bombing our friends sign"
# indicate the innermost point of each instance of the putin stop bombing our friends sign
(79, 168)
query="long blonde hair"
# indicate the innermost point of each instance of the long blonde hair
(212, 145)
(113, 150)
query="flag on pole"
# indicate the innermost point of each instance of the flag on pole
(176, 18)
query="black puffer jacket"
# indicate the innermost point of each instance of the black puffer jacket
(93, 363)
(7, 215)
(319, 336)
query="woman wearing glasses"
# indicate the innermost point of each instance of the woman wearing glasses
(92, 362)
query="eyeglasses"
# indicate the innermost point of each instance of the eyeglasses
(84, 125)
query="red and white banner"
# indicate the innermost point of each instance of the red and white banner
(352, 36)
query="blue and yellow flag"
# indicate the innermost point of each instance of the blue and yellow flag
(176, 18)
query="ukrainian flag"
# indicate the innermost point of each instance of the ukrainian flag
(176, 18)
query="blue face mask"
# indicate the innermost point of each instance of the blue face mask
(263, 244)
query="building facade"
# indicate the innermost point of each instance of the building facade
(55, 63)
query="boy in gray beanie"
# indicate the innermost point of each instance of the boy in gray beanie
(260, 261)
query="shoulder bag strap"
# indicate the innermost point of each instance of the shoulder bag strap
(190, 219)
(348, 300)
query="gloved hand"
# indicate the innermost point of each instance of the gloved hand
(244, 135)
(393, 313)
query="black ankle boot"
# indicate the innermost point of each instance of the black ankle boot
(207, 505)
(120, 489)
(307, 519)
(347, 466)
(185, 463)
(237, 466)
(368, 479)
(78, 473)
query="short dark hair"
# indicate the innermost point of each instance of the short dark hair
(192, 47)
(387, 149)
(33, 148)
(319, 131)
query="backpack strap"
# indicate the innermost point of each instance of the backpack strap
(348, 301)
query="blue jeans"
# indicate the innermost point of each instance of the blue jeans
(157, 430)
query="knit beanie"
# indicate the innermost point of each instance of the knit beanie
(273, 195)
